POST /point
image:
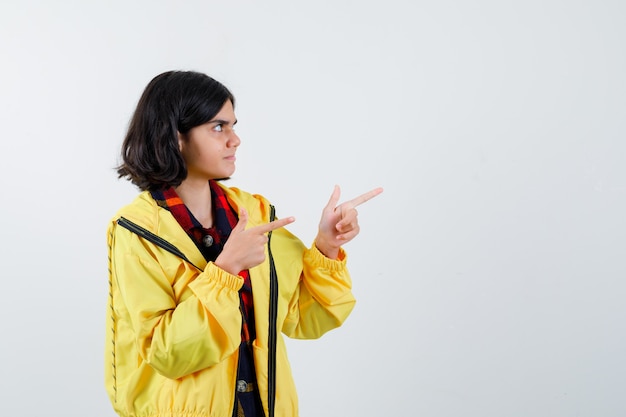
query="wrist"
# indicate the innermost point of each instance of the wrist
(223, 264)
(329, 251)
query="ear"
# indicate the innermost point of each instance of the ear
(181, 141)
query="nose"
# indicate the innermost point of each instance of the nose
(234, 140)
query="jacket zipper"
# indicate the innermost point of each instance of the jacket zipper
(273, 314)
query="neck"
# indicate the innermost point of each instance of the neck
(197, 198)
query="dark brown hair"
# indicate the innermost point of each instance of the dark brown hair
(173, 102)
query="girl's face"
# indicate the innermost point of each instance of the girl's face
(209, 149)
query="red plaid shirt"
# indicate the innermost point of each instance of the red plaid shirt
(224, 219)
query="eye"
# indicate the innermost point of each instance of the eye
(218, 127)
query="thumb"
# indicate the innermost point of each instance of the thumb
(243, 221)
(334, 198)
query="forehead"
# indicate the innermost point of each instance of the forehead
(227, 112)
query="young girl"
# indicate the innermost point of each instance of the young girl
(203, 278)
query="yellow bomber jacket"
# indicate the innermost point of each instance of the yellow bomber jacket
(173, 326)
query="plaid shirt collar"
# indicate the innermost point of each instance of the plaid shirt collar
(225, 219)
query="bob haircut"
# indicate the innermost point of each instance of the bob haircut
(173, 102)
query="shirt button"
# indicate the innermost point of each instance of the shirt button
(242, 386)
(207, 240)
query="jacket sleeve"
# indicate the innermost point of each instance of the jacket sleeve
(323, 298)
(175, 335)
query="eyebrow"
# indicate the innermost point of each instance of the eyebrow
(222, 122)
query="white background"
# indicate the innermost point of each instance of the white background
(489, 274)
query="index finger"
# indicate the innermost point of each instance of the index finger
(365, 197)
(276, 224)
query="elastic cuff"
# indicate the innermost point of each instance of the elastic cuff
(315, 256)
(216, 274)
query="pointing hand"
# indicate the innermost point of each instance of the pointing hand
(245, 248)
(339, 223)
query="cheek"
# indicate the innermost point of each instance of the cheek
(191, 155)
